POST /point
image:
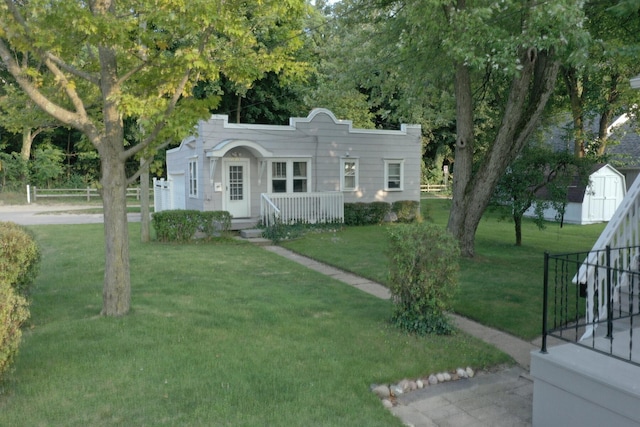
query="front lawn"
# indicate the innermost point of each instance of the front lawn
(500, 287)
(221, 334)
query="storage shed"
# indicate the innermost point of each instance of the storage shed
(594, 203)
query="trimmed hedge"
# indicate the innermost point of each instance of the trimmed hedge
(19, 257)
(406, 210)
(360, 213)
(19, 262)
(183, 225)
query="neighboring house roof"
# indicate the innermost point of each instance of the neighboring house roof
(623, 148)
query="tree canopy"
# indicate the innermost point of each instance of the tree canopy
(94, 64)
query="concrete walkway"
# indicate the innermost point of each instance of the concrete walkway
(500, 398)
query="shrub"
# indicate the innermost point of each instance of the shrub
(406, 210)
(19, 257)
(182, 225)
(19, 262)
(13, 312)
(423, 277)
(360, 213)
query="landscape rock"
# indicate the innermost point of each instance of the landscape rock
(382, 391)
(420, 384)
(470, 372)
(387, 403)
(447, 376)
(433, 380)
(440, 377)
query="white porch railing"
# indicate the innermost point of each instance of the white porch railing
(622, 231)
(310, 208)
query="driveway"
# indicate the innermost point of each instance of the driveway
(34, 214)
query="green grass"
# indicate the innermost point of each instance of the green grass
(500, 287)
(220, 334)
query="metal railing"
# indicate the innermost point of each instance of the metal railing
(607, 321)
(311, 208)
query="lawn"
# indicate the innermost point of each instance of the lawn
(500, 287)
(220, 334)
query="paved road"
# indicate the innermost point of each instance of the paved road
(35, 214)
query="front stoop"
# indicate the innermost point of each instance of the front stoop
(254, 235)
(577, 387)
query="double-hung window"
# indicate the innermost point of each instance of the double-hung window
(193, 177)
(348, 174)
(393, 175)
(289, 176)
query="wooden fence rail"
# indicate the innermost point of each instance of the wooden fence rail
(86, 193)
(432, 188)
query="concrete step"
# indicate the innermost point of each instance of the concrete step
(251, 233)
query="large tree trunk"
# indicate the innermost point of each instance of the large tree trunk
(27, 141)
(116, 293)
(576, 96)
(116, 299)
(529, 92)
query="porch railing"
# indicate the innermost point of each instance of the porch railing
(312, 208)
(623, 230)
(606, 322)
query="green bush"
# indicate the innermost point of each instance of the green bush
(19, 257)
(360, 213)
(182, 225)
(14, 311)
(406, 210)
(19, 262)
(423, 268)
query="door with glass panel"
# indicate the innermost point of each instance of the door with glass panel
(236, 188)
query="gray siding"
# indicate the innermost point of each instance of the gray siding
(319, 137)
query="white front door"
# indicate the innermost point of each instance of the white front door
(236, 188)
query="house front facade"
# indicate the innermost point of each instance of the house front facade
(235, 167)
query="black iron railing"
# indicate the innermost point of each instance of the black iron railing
(593, 299)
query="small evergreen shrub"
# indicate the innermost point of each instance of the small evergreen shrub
(14, 311)
(182, 225)
(360, 213)
(406, 210)
(19, 257)
(19, 262)
(423, 269)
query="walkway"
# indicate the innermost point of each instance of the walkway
(500, 398)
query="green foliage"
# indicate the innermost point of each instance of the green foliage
(538, 178)
(406, 210)
(280, 231)
(19, 261)
(360, 213)
(184, 225)
(423, 269)
(14, 310)
(14, 172)
(47, 165)
(19, 257)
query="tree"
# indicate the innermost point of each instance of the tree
(598, 89)
(489, 66)
(116, 60)
(539, 178)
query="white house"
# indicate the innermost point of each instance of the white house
(594, 203)
(247, 169)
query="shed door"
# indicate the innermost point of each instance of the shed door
(236, 188)
(605, 197)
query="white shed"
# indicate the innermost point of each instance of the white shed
(597, 202)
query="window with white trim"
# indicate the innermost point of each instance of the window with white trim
(348, 174)
(289, 176)
(393, 175)
(193, 178)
